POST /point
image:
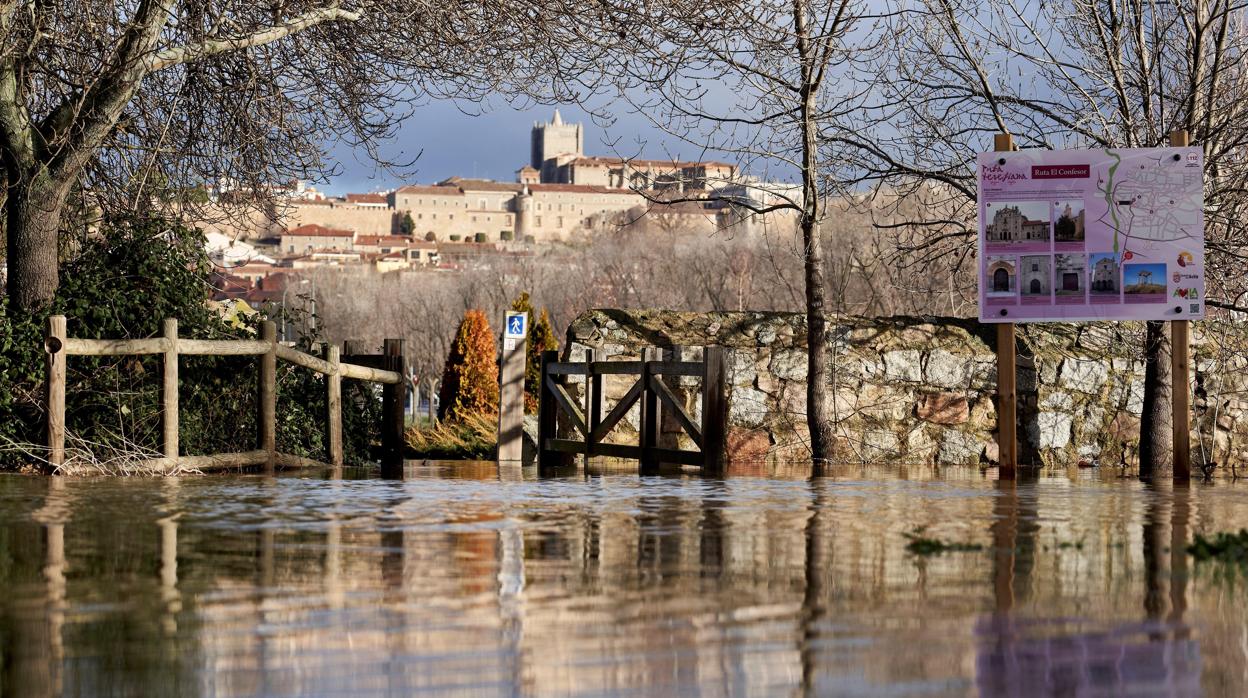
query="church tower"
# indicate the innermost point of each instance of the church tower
(552, 140)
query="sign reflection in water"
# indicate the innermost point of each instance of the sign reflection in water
(473, 581)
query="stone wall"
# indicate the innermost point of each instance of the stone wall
(920, 390)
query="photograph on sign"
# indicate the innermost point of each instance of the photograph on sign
(1112, 234)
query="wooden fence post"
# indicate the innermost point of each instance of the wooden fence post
(333, 403)
(649, 437)
(169, 391)
(267, 403)
(54, 345)
(547, 416)
(593, 402)
(1007, 378)
(394, 395)
(1180, 376)
(714, 410)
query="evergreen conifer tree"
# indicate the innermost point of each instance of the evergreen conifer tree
(470, 378)
(541, 338)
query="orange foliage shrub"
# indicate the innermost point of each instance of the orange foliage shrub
(470, 378)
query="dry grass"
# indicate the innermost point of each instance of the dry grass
(473, 437)
(119, 456)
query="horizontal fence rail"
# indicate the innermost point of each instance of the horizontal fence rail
(59, 346)
(661, 410)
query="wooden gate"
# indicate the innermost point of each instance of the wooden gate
(655, 396)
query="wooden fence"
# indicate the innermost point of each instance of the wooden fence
(656, 398)
(388, 371)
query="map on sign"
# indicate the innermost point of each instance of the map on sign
(1111, 234)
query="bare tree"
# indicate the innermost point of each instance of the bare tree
(759, 81)
(121, 106)
(1066, 74)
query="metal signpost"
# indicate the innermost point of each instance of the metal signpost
(511, 387)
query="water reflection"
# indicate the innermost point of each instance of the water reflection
(483, 581)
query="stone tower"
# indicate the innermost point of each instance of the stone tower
(554, 139)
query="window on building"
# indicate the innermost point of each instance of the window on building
(537, 220)
(1035, 266)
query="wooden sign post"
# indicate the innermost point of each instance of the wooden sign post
(1180, 375)
(1007, 379)
(511, 387)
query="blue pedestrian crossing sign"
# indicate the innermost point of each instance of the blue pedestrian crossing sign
(516, 325)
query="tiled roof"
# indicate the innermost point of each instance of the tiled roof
(314, 230)
(580, 189)
(367, 198)
(430, 189)
(481, 184)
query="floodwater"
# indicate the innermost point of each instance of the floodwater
(468, 579)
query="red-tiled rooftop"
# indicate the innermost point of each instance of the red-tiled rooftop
(430, 189)
(579, 189)
(314, 230)
(465, 184)
(367, 198)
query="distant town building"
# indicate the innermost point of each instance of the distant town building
(560, 193)
(368, 200)
(311, 237)
(554, 140)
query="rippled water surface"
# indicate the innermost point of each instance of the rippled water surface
(469, 579)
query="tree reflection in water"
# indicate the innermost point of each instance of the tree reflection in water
(483, 581)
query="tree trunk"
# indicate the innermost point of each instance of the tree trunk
(1156, 440)
(32, 219)
(818, 420)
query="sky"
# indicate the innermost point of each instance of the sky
(491, 145)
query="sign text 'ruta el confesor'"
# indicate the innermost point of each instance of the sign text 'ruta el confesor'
(1112, 234)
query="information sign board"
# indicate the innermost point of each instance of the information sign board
(1112, 234)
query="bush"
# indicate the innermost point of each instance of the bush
(121, 285)
(480, 237)
(456, 238)
(506, 236)
(431, 237)
(470, 377)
